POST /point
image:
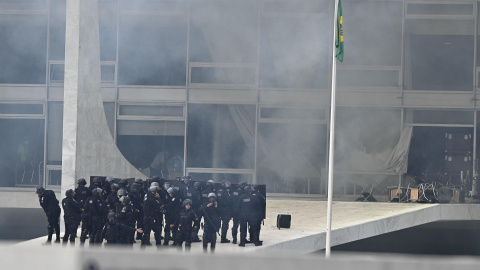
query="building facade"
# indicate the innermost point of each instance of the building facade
(240, 90)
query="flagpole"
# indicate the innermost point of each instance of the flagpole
(331, 140)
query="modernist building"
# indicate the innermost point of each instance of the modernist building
(240, 90)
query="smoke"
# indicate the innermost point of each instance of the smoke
(282, 48)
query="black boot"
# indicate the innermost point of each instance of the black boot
(224, 240)
(146, 240)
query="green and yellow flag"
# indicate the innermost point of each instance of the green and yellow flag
(339, 33)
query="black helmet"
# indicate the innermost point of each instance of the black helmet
(97, 180)
(134, 187)
(248, 189)
(209, 185)
(109, 179)
(186, 179)
(123, 182)
(122, 192)
(125, 199)
(187, 201)
(197, 184)
(82, 182)
(39, 190)
(97, 191)
(155, 179)
(69, 193)
(139, 181)
(114, 186)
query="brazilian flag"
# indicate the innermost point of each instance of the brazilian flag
(339, 33)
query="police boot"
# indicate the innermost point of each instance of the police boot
(139, 236)
(158, 241)
(224, 240)
(234, 240)
(146, 240)
(165, 242)
(50, 233)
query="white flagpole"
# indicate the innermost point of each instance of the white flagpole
(331, 140)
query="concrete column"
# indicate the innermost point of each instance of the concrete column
(88, 148)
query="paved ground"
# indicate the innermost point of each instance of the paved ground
(308, 218)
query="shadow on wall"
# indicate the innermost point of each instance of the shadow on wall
(19, 224)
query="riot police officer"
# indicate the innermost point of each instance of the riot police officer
(82, 192)
(97, 211)
(49, 203)
(125, 217)
(184, 224)
(71, 215)
(112, 200)
(211, 219)
(224, 208)
(196, 204)
(153, 217)
(235, 196)
(173, 205)
(249, 205)
(137, 203)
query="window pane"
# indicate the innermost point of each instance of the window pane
(21, 152)
(295, 52)
(107, 20)
(23, 49)
(57, 30)
(154, 155)
(160, 57)
(218, 29)
(221, 136)
(374, 32)
(6, 108)
(145, 110)
(439, 55)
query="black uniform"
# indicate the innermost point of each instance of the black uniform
(71, 215)
(196, 204)
(49, 203)
(137, 203)
(235, 196)
(260, 212)
(249, 216)
(225, 211)
(153, 219)
(173, 205)
(82, 193)
(211, 219)
(112, 201)
(125, 216)
(114, 232)
(97, 212)
(184, 224)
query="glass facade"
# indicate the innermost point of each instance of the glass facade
(240, 90)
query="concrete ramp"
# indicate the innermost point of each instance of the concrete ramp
(351, 221)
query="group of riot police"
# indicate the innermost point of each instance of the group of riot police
(114, 212)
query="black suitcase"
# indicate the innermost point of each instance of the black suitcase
(283, 221)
